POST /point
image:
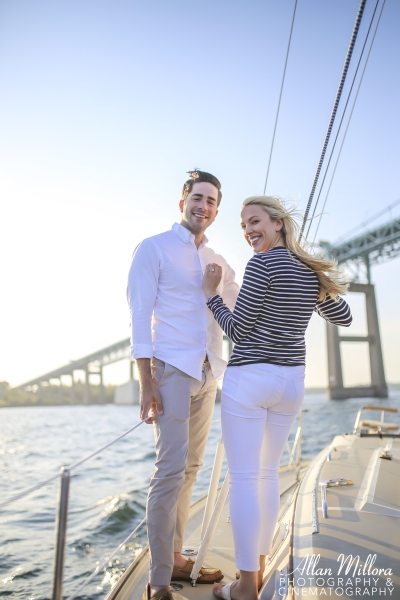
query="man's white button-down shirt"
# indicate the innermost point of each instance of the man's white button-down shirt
(169, 315)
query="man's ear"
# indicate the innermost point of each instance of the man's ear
(181, 205)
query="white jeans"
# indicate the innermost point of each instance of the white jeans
(259, 406)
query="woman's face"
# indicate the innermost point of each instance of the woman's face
(260, 231)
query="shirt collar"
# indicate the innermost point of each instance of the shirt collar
(186, 235)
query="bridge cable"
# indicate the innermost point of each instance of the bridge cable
(348, 123)
(334, 111)
(367, 222)
(280, 96)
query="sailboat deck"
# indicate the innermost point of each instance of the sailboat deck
(220, 552)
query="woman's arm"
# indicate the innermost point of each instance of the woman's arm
(238, 324)
(334, 312)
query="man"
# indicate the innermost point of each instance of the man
(177, 346)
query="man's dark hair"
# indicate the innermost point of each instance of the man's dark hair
(197, 176)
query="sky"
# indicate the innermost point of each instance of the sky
(104, 107)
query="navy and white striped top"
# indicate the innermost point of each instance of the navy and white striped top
(275, 303)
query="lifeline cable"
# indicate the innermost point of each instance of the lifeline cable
(334, 110)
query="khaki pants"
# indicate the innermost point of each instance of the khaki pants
(181, 435)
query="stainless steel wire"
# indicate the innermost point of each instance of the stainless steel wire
(105, 562)
(98, 569)
(280, 96)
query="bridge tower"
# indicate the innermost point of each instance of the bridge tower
(361, 252)
(378, 387)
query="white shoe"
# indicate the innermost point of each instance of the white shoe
(224, 592)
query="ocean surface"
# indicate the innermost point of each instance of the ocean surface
(108, 493)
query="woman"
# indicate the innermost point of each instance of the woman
(264, 383)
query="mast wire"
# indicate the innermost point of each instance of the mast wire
(347, 126)
(334, 111)
(343, 115)
(280, 96)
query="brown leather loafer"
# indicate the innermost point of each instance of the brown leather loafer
(205, 575)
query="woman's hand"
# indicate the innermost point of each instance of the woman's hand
(211, 279)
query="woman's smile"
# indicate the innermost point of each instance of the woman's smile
(260, 231)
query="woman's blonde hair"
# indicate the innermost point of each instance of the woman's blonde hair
(331, 280)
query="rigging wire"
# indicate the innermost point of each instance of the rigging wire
(347, 127)
(342, 119)
(280, 96)
(334, 110)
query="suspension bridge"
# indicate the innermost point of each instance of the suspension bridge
(357, 254)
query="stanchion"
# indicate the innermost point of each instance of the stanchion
(61, 532)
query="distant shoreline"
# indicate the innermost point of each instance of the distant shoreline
(15, 398)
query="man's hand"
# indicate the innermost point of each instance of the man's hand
(150, 399)
(150, 402)
(211, 279)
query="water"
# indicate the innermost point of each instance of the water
(108, 494)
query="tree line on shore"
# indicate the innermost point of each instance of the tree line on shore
(53, 395)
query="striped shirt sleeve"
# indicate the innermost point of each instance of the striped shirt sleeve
(239, 323)
(335, 312)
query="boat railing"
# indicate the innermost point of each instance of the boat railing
(101, 566)
(379, 425)
(62, 515)
(214, 505)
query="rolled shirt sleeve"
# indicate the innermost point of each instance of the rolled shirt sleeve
(141, 295)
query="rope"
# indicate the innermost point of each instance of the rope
(343, 115)
(29, 490)
(97, 569)
(80, 462)
(74, 466)
(280, 96)
(334, 110)
(347, 126)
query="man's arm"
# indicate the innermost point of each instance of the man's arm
(142, 294)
